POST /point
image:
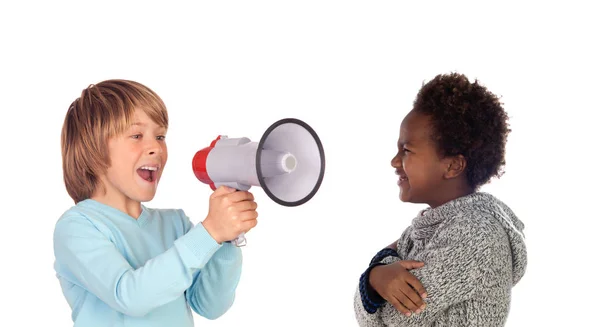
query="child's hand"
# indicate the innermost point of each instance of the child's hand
(393, 283)
(230, 213)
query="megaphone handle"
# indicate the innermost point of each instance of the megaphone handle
(240, 240)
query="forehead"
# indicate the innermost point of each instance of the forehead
(415, 129)
(141, 119)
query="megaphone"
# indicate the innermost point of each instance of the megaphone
(288, 163)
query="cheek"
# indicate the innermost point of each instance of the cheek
(126, 157)
(165, 152)
(410, 165)
(416, 170)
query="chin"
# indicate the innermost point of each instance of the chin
(145, 197)
(408, 197)
(145, 193)
(149, 198)
(405, 195)
(405, 199)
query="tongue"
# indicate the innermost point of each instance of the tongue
(145, 174)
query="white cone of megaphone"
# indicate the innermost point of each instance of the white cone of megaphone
(288, 163)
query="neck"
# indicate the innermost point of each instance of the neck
(122, 203)
(451, 192)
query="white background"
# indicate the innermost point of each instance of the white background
(351, 70)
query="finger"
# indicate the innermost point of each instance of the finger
(240, 196)
(413, 300)
(411, 264)
(248, 215)
(405, 300)
(245, 206)
(249, 224)
(222, 190)
(416, 284)
(394, 301)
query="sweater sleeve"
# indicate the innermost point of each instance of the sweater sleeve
(366, 300)
(213, 290)
(456, 262)
(98, 266)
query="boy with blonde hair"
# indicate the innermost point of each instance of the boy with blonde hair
(118, 262)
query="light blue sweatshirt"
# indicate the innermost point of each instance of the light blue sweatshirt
(115, 270)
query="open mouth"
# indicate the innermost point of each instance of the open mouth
(148, 173)
(401, 177)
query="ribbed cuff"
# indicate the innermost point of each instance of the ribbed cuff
(196, 247)
(371, 300)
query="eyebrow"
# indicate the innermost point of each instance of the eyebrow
(137, 123)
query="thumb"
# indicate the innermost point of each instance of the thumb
(222, 190)
(411, 264)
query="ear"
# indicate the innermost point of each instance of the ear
(454, 166)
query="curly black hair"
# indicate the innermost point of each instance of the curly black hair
(467, 119)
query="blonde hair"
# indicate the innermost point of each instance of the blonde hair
(102, 111)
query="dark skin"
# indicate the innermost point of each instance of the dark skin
(425, 176)
(430, 177)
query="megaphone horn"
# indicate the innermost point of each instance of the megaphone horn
(288, 163)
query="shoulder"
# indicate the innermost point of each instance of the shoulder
(467, 237)
(472, 227)
(78, 228)
(79, 217)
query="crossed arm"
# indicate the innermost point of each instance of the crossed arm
(450, 275)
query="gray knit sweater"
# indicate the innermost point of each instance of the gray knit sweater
(474, 253)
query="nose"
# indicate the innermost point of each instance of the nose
(396, 161)
(154, 147)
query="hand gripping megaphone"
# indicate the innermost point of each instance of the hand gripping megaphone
(288, 163)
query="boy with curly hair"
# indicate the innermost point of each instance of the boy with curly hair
(456, 264)
(120, 263)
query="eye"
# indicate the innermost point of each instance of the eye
(136, 136)
(405, 150)
(161, 137)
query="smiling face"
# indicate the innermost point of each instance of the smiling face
(421, 171)
(137, 159)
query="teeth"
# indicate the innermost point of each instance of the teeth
(149, 168)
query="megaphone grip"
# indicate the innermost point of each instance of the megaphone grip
(240, 240)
